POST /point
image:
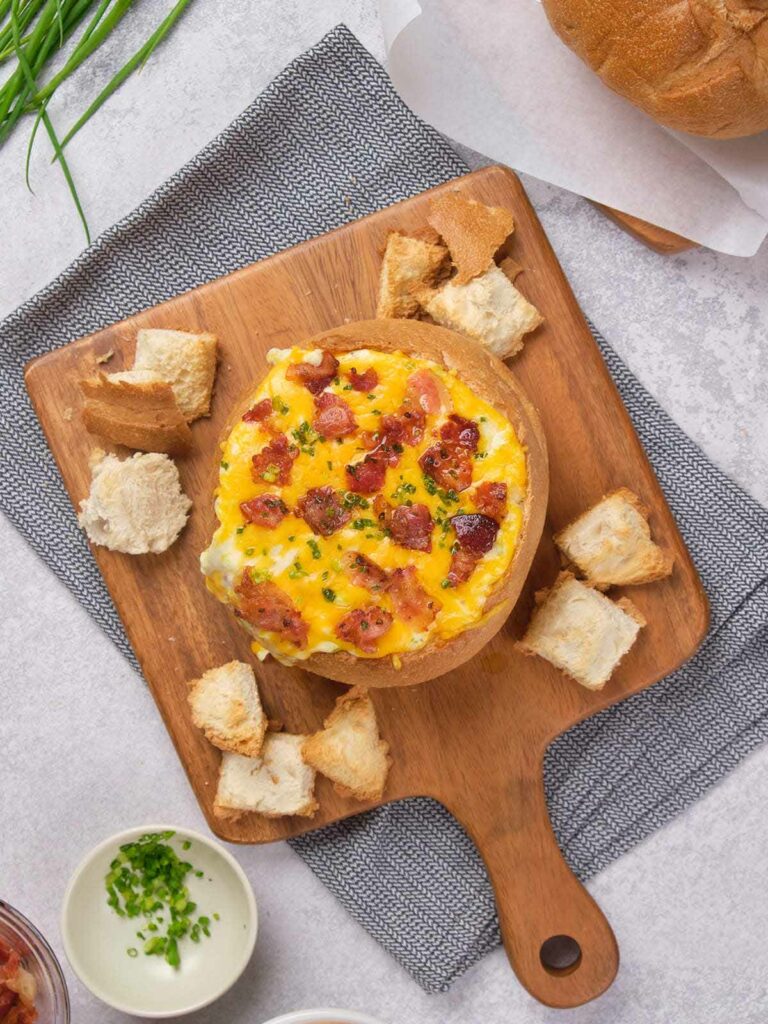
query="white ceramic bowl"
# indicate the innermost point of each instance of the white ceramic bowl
(323, 1017)
(96, 939)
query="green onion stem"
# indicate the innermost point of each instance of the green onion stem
(30, 78)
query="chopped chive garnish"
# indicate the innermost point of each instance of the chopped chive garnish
(148, 876)
(224, 465)
(329, 595)
(279, 406)
(314, 547)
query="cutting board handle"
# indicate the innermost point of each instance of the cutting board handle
(557, 939)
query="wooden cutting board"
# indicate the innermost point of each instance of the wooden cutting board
(473, 739)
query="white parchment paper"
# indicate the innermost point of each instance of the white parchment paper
(494, 76)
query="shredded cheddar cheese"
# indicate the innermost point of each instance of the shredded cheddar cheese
(307, 566)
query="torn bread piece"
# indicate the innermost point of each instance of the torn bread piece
(472, 231)
(135, 505)
(409, 266)
(186, 361)
(226, 706)
(611, 543)
(489, 309)
(581, 631)
(348, 750)
(137, 413)
(276, 784)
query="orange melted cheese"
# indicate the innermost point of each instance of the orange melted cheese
(308, 567)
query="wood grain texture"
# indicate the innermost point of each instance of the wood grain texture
(473, 739)
(659, 239)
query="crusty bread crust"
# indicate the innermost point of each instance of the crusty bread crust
(699, 67)
(489, 378)
(472, 231)
(141, 415)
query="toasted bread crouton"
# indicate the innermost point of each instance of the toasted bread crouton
(611, 543)
(348, 750)
(226, 706)
(489, 309)
(472, 231)
(511, 268)
(139, 414)
(186, 361)
(409, 266)
(276, 784)
(581, 631)
(135, 505)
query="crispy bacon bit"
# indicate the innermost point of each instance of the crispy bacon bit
(425, 391)
(268, 607)
(366, 381)
(266, 510)
(314, 378)
(475, 532)
(411, 527)
(17, 989)
(491, 499)
(463, 432)
(414, 421)
(333, 418)
(368, 476)
(450, 465)
(363, 627)
(259, 412)
(363, 572)
(323, 510)
(386, 443)
(410, 600)
(274, 462)
(462, 566)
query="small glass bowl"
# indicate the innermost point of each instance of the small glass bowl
(52, 1000)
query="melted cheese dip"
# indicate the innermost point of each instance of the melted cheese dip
(308, 567)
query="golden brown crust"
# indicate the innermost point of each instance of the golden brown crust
(489, 378)
(409, 265)
(141, 415)
(699, 66)
(472, 231)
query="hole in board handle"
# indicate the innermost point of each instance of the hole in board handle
(560, 955)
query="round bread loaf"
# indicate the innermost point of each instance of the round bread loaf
(700, 66)
(235, 555)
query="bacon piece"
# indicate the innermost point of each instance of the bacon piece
(411, 527)
(462, 566)
(491, 499)
(414, 421)
(410, 600)
(268, 607)
(475, 532)
(259, 412)
(323, 510)
(461, 431)
(368, 476)
(274, 462)
(386, 443)
(366, 381)
(363, 627)
(450, 465)
(425, 391)
(314, 378)
(364, 572)
(268, 510)
(333, 418)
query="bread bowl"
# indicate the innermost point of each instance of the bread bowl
(700, 66)
(325, 510)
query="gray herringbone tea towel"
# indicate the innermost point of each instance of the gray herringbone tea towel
(327, 142)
